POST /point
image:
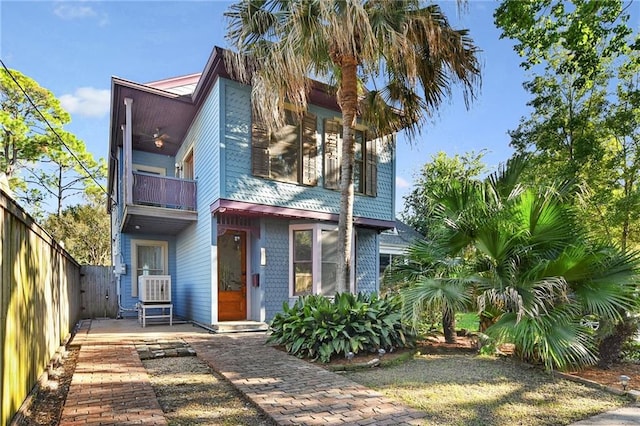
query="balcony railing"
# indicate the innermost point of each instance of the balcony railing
(162, 191)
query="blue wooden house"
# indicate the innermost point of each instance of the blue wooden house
(238, 221)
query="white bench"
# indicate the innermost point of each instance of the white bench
(143, 315)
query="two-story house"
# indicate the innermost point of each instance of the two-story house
(240, 220)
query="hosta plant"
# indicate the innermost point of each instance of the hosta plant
(319, 328)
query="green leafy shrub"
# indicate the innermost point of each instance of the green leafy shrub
(318, 328)
(631, 351)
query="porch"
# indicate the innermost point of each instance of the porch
(159, 204)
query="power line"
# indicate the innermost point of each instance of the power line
(53, 129)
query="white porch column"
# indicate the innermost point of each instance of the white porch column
(128, 152)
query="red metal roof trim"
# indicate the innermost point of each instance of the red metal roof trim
(250, 209)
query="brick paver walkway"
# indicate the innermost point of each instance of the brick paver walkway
(110, 386)
(294, 392)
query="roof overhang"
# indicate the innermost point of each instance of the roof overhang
(241, 208)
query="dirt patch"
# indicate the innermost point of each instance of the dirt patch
(611, 377)
(191, 393)
(44, 406)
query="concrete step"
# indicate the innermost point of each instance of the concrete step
(240, 326)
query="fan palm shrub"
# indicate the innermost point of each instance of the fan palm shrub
(433, 283)
(533, 267)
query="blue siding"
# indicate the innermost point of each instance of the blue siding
(276, 274)
(196, 244)
(367, 261)
(242, 186)
(166, 162)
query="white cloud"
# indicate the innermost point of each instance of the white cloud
(402, 183)
(74, 10)
(87, 101)
(69, 10)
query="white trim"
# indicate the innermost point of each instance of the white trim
(214, 281)
(316, 256)
(358, 126)
(134, 260)
(393, 249)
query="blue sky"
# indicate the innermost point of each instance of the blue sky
(74, 47)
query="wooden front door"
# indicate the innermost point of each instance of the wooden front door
(232, 276)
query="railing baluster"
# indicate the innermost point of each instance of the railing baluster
(164, 191)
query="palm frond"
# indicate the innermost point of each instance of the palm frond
(555, 339)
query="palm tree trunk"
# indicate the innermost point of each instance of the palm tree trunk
(449, 325)
(610, 348)
(348, 101)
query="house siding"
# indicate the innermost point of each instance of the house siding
(241, 185)
(276, 274)
(196, 253)
(367, 261)
(165, 162)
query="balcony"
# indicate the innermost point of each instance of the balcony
(159, 205)
(162, 191)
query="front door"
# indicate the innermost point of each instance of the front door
(232, 276)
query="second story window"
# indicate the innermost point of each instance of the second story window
(365, 167)
(287, 154)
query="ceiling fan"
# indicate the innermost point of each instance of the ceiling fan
(158, 138)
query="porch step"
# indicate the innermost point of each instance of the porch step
(240, 326)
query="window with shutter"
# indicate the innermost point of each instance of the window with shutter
(371, 166)
(287, 154)
(365, 166)
(332, 130)
(259, 149)
(309, 150)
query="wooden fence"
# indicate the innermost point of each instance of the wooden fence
(40, 303)
(99, 298)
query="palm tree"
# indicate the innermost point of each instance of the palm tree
(408, 53)
(433, 282)
(536, 268)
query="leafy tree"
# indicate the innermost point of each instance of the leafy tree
(622, 120)
(84, 229)
(60, 175)
(379, 54)
(25, 136)
(420, 205)
(582, 126)
(32, 153)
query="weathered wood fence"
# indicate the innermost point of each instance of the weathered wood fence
(40, 303)
(99, 298)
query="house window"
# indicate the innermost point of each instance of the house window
(148, 257)
(302, 262)
(365, 167)
(387, 259)
(159, 171)
(314, 260)
(287, 154)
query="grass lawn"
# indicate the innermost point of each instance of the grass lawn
(461, 389)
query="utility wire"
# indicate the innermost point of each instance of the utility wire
(53, 129)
